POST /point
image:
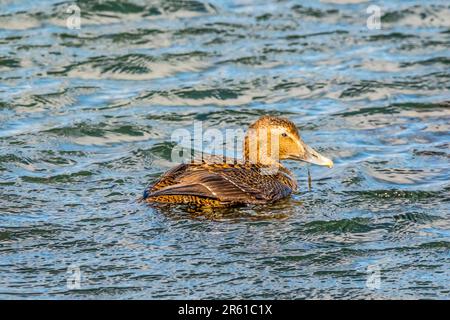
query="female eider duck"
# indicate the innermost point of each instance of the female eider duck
(257, 179)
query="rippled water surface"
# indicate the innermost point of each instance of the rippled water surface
(86, 118)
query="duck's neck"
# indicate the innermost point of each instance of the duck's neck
(259, 153)
(269, 165)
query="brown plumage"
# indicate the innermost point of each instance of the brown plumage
(257, 179)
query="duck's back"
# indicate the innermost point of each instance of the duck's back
(221, 184)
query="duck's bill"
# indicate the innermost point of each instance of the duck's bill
(312, 156)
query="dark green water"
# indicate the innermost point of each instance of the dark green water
(86, 118)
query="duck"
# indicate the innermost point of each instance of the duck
(258, 179)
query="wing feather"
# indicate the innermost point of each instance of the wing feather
(227, 183)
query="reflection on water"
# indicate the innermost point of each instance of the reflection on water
(86, 118)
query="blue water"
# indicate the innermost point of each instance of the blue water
(86, 117)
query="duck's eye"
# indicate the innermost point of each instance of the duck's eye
(284, 134)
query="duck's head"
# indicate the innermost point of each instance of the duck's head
(271, 139)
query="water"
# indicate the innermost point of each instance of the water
(85, 123)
